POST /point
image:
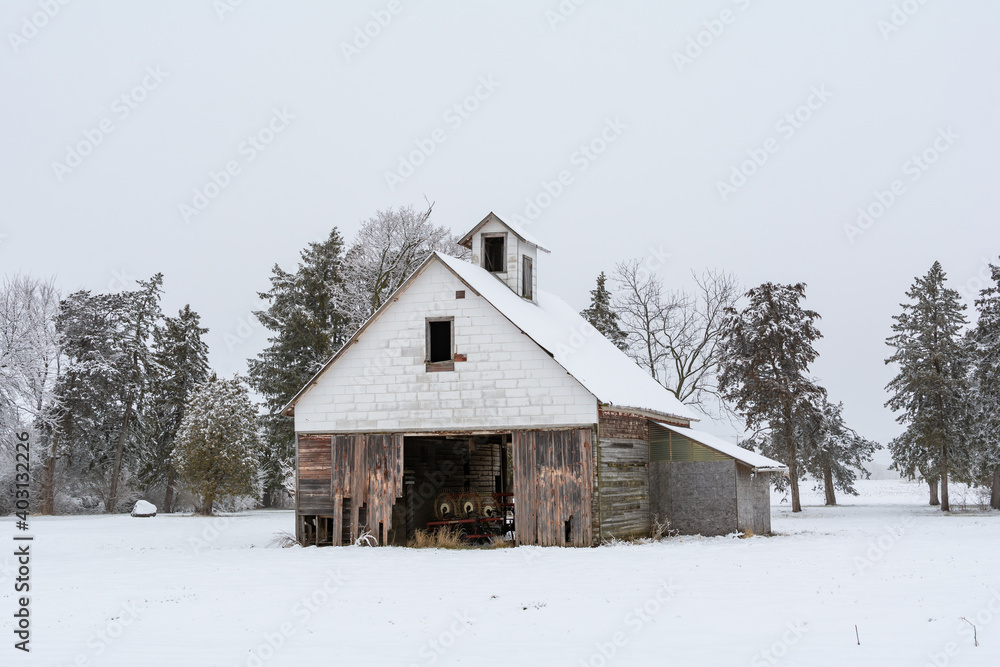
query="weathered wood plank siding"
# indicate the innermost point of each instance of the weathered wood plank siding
(552, 486)
(623, 475)
(368, 469)
(313, 491)
(753, 501)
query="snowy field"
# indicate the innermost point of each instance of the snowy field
(177, 590)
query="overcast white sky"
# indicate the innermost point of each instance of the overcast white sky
(679, 128)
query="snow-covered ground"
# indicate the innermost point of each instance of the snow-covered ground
(175, 590)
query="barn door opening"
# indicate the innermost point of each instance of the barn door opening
(457, 482)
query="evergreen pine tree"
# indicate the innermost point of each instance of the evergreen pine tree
(766, 352)
(602, 316)
(986, 388)
(827, 449)
(217, 445)
(834, 453)
(139, 312)
(180, 357)
(103, 397)
(930, 390)
(88, 406)
(309, 323)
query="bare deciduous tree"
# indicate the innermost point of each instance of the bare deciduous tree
(675, 335)
(388, 248)
(30, 358)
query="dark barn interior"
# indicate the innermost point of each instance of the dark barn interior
(453, 479)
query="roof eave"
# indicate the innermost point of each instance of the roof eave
(781, 469)
(648, 413)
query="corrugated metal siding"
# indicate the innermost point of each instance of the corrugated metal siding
(665, 445)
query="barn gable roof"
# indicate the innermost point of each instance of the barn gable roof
(519, 231)
(594, 361)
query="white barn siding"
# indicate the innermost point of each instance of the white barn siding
(381, 383)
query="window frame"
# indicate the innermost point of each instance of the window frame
(446, 364)
(527, 277)
(503, 254)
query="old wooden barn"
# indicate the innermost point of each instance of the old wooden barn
(476, 401)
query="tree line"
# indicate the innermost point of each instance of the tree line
(123, 403)
(121, 399)
(746, 356)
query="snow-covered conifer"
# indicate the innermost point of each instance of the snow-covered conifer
(930, 390)
(766, 352)
(602, 316)
(986, 389)
(217, 446)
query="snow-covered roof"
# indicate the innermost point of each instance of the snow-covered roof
(753, 459)
(514, 227)
(604, 370)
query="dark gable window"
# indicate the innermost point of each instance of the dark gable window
(494, 253)
(526, 277)
(439, 340)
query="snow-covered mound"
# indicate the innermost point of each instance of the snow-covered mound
(143, 509)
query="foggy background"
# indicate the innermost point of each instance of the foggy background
(689, 88)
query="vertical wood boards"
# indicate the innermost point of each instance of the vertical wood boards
(367, 469)
(553, 477)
